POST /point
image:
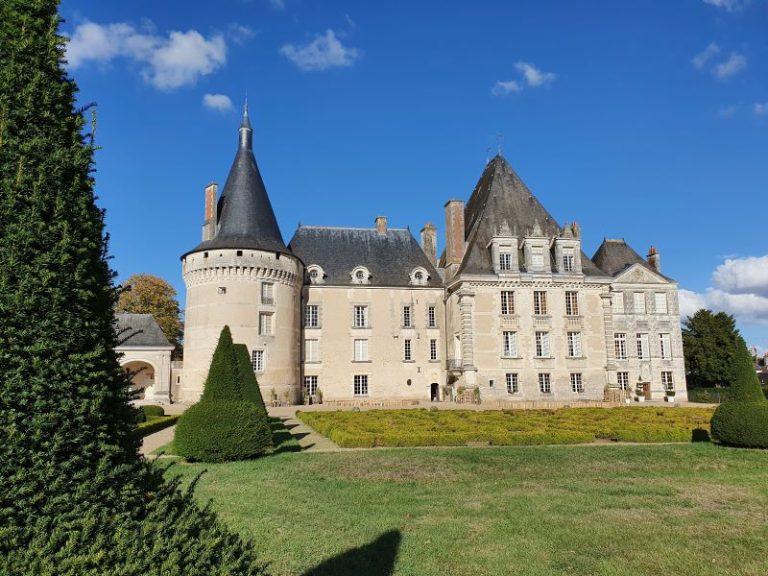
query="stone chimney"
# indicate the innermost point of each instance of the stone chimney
(381, 225)
(454, 232)
(429, 242)
(654, 259)
(211, 198)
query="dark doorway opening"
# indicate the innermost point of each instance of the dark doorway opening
(434, 392)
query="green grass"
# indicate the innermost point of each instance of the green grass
(510, 427)
(541, 510)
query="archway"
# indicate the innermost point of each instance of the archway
(142, 375)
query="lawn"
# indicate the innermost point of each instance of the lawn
(539, 510)
(510, 427)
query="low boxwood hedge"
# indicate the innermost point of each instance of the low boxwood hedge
(155, 424)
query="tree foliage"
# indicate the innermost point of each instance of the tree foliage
(711, 344)
(223, 381)
(148, 294)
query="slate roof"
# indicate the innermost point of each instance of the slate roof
(246, 219)
(139, 331)
(501, 200)
(390, 257)
(615, 256)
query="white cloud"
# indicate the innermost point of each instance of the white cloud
(728, 5)
(167, 62)
(533, 76)
(743, 275)
(502, 88)
(733, 65)
(240, 34)
(220, 102)
(760, 108)
(324, 52)
(700, 60)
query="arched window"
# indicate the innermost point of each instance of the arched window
(360, 275)
(315, 274)
(419, 277)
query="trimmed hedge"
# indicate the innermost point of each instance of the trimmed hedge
(251, 389)
(223, 381)
(152, 411)
(155, 424)
(221, 431)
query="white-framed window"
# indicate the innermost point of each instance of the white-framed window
(360, 350)
(571, 303)
(568, 260)
(537, 258)
(431, 317)
(643, 346)
(660, 302)
(312, 350)
(622, 378)
(665, 346)
(620, 345)
(419, 277)
(618, 302)
(257, 360)
(507, 302)
(539, 302)
(545, 383)
(433, 349)
(310, 385)
(360, 275)
(267, 293)
(513, 386)
(574, 345)
(265, 323)
(407, 316)
(312, 315)
(509, 345)
(666, 382)
(316, 274)
(407, 350)
(360, 385)
(638, 302)
(505, 261)
(360, 316)
(542, 345)
(577, 384)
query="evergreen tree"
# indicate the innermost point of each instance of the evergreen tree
(224, 381)
(71, 476)
(711, 346)
(251, 388)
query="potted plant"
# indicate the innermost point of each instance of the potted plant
(318, 396)
(639, 393)
(273, 395)
(670, 396)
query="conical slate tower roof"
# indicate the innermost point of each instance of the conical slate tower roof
(246, 219)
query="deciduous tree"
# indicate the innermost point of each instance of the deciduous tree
(711, 344)
(148, 294)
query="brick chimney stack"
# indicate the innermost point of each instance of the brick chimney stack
(454, 232)
(381, 225)
(654, 259)
(429, 242)
(211, 197)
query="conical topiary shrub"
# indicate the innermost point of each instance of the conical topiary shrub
(742, 420)
(251, 388)
(223, 381)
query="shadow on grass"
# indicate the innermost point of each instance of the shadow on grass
(283, 439)
(700, 435)
(374, 559)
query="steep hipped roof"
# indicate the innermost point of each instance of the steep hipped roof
(246, 218)
(139, 331)
(501, 200)
(615, 256)
(389, 257)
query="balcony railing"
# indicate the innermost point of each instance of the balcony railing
(454, 364)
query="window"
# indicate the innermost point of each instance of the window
(315, 274)
(620, 346)
(577, 384)
(312, 316)
(643, 347)
(360, 385)
(618, 303)
(267, 293)
(361, 350)
(568, 260)
(505, 261)
(542, 344)
(431, 317)
(509, 348)
(312, 350)
(574, 345)
(639, 302)
(407, 350)
(360, 317)
(257, 360)
(513, 386)
(433, 349)
(408, 316)
(310, 385)
(360, 275)
(665, 346)
(221, 290)
(507, 302)
(545, 383)
(418, 277)
(539, 303)
(660, 302)
(265, 324)
(623, 380)
(571, 303)
(666, 381)
(537, 258)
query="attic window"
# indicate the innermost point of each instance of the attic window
(360, 275)
(315, 274)
(222, 289)
(239, 252)
(419, 277)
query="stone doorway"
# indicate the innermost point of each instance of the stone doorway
(434, 392)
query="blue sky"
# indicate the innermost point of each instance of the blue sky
(640, 120)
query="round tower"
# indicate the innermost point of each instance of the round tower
(243, 275)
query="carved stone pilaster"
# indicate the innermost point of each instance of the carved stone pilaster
(466, 305)
(610, 353)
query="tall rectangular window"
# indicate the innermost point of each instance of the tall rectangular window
(505, 261)
(408, 316)
(660, 302)
(537, 258)
(639, 302)
(574, 345)
(433, 349)
(513, 386)
(568, 260)
(312, 316)
(666, 381)
(310, 385)
(360, 319)
(407, 350)
(620, 345)
(267, 293)
(312, 350)
(361, 350)
(571, 303)
(257, 360)
(509, 347)
(577, 384)
(545, 383)
(622, 378)
(665, 346)
(360, 385)
(542, 345)
(643, 347)
(618, 302)
(539, 303)
(265, 324)
(431, 317)
(507, 302)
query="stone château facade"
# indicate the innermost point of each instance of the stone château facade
(513, 310)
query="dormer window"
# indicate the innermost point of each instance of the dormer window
(537, 258)
(360, 275)
(315, 274)
(419, 277)
(568, 260)
(505, 261)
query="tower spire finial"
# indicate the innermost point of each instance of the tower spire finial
(246, 132)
